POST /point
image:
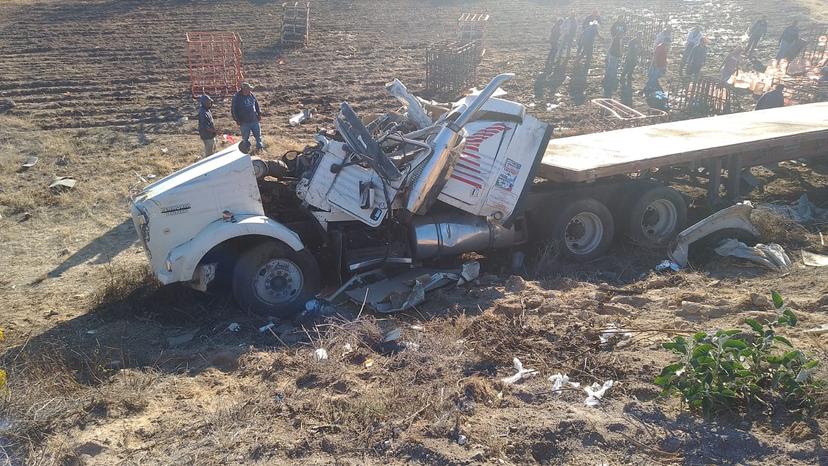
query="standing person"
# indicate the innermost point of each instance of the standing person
(694, 38)
(665, 36)
(788, 41)
(206, 127)
(657, 68)
(772, 99)
(731, 63)
(757, 32)
(697, 59)
(631, 59)
(593, 17)
(613, 60)
(568, 31)
(554, 45)
(586, 46)
(247, 114)
(619, 26)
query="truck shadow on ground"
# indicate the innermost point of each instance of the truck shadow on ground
(102, 249)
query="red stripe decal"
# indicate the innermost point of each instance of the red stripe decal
(466, 181)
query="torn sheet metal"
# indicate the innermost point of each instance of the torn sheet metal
(813, 259)
(393, 294)
(734, 217)
(804, 211)
(414, 110)
(770, 255)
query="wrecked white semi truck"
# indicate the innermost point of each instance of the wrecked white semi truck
(434, 181)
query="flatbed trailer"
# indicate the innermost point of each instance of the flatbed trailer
(730, 142)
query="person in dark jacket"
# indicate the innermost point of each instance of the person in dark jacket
(613, 60)
(788, 41)
(554, 45)
(569, 29)
(631, 59)
(206, 127)
(757, 32)
(694, 38)
(586, 46)
(247, 114)
(619, 27)
(697, 59)
(772, 99)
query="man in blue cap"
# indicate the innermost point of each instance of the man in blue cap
(206, 128)
(247, 114)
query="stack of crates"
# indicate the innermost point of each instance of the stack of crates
(471, 28)
(451, 68)
(295, 24)
(215, 61)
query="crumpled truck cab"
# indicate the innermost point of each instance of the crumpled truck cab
(181, 217)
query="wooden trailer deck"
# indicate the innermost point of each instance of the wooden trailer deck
(731, 141)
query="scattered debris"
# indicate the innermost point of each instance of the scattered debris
(234, 327)
(821, 330)
(813, 259)
(616, 337)
(25, 216)
(321, 354)
(266, 327)
(392, 335)
(347, 349)
(301, 117)
(595, 392)
(559, 380)
(667, 266)
(63, 183)
(182, 120)
(462, 439)
(804, 211)
(770, 255)
(520, 373)
(30, 162)
(389, 294)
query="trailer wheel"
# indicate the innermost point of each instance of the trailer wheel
(656, 216)
(584, 229)
(272, 278)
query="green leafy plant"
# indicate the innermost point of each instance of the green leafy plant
(733, 369)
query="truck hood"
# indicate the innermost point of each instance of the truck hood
(216, 163)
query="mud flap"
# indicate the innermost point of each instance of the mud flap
(736, 217)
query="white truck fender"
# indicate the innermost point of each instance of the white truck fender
(185, 257)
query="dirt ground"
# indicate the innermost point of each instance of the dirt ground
(106, 368)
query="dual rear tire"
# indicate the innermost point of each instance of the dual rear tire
(584, 229)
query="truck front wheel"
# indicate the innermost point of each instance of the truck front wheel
(273, 279)
(656, 216)
(584, 229)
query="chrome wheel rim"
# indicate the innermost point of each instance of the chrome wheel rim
(278, 281)
(659, 220)
(584, 233)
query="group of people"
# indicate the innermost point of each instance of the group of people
(245, 111)
(625, 52)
